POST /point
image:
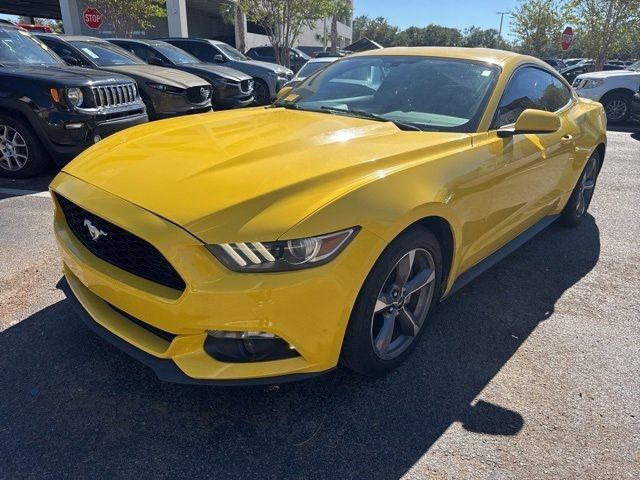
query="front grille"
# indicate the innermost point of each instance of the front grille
(115, 95)
(246, 86)
(168, 336)
(198, 94)
(118, 247)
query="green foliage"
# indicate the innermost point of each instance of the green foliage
(435, 35)
(538, 25)
(377, 29)
(606, 28)
(478, 37)
(125, 16)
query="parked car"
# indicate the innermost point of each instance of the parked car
(569, 62)
(49, 111)
(231, 88)
(614, 89)
(297, 58)
(570, 73)
(268, 78)
(36, 28)
(326, 229)
(165, 92)
(635, 107)
(556, 63)
(309, 68)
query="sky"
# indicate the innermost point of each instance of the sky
(450, 13)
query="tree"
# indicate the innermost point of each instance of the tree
(231, 13)
(605, 27)
(126, 16)
(478, 37)
(337, 10)
(379, 30)
(431, 35)
(538, 26)
(284, 20)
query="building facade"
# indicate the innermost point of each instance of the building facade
(199, 18)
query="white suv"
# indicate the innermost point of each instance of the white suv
(613, 88)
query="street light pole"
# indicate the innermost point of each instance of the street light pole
(502, 14)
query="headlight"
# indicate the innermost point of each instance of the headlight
(592, 83)
(165, 88)
(272, 74)
(282, 255)
(75, 96)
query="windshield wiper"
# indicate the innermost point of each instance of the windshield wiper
(372, 116)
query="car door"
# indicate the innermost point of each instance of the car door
(527, 182)
(65, 52)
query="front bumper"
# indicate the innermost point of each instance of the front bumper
(309, 309)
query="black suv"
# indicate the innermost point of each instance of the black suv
(49, 111)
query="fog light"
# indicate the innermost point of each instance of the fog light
(96, 138)
(243, 347)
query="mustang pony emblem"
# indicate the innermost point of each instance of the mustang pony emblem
(94, 231)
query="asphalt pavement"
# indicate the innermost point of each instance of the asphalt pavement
(530, 372)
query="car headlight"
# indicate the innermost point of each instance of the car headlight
(74, 95)
(165, 88)
(592, 83)
(282, 255)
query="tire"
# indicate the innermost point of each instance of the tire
(363, 349)
(21, 153)
(261, 91)
(580, 199)
(617, 106)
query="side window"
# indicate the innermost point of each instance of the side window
(530, 87)
(198, 50)
(142, 51)
(63, 51)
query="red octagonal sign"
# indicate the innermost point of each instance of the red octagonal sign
(567, 38)
(92, 18)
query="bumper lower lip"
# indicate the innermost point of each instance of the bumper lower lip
(165, 369)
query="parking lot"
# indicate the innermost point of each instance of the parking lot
(531, 371)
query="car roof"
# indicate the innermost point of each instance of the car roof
(198, 39)
(143, 41)
(488, 55)
(71, 38)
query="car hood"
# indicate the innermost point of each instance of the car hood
(152, 73)
(611, 73)
(208, 70)
(257, 65)
(252, 174)
(64, 75)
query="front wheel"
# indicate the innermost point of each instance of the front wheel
(394, 304)
(21, 153)
(617, 106)
(261, 92)
(582, 194)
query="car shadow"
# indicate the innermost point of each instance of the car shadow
(72, 405)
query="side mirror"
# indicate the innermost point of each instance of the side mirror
(218, 58)
(71, 60)
(155, 61)
(532, 121)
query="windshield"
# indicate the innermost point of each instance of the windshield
(106, 54)
(230, 52)
(425, 93)
(635, 66)
(18, 47)
(309, 69)
(175, 54)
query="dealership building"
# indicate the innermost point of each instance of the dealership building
(185, 18)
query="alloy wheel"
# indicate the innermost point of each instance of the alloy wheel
(403, 303)
(587, 184)
(616, 109)
(13, 149)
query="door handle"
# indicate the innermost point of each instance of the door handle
(567, 138)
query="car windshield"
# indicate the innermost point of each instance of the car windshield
(415, 92)
(635, 66)
(230, 52)
(309, 69)
(175, 54)
(18, 47)
(106, 54)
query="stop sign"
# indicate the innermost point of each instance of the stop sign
(567, 38)
(92, 17)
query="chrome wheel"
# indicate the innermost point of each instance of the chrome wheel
(13, 149)
(403, 303)
(586, 186)
(616, 109)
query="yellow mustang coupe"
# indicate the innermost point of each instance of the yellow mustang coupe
(272, 244)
